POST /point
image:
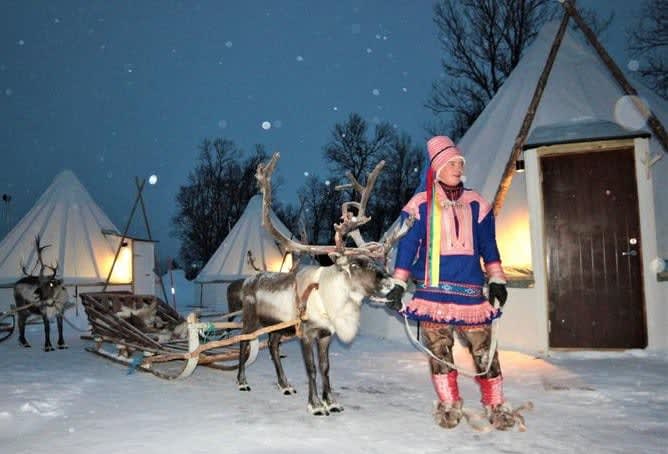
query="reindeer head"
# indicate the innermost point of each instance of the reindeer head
(48, 286)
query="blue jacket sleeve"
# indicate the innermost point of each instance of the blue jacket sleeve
(489, 250)
(408, 246)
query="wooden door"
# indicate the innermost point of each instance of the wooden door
(592, 232)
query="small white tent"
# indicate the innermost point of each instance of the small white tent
(231, 260)
(563, 101)
(81, 240)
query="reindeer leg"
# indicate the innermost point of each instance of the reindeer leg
(315, 406)
(61, 340)
(47, 334)
(274, 348)
(249, 321)
(22, 317)
(324, 341)
(242, 383)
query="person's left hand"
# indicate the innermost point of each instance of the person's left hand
(498, 291)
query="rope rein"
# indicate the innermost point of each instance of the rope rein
(466, 372)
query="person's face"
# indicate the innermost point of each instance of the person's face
(451, 173)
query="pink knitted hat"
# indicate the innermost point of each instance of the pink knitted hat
(442, 149)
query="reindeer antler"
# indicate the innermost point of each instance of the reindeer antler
(349, 222)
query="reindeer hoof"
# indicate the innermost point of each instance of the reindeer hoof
(48, 348)
(244, 387)
(318, 410)
(63, 347)
(25, 344)
(287, 390)
(334, 407)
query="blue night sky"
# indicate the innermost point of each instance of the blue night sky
(115, 90)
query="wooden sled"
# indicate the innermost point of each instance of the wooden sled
(123, 340)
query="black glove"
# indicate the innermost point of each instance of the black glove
(498, 292)
(394, 297)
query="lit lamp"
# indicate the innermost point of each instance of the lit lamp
(519, 166)
(122, 273)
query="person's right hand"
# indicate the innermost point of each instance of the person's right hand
(396, 294)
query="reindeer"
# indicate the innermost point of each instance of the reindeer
(327, 299)
(42, 295)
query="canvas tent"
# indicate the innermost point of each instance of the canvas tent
(230, 261)
(81, 240)
(577, 139)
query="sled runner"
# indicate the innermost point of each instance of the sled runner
(143, 332)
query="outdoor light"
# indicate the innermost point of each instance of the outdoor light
(519, 166)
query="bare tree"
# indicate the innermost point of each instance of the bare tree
(211, 202)
(483, 40)
(648, 40)
(320, 209)
(396, 184)
(350, 150)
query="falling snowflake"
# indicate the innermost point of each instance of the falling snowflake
(369, 50)
(631, 112)
(335, 108)
(9, 91)
(376, 92)
(228, 44)
(300, 58)
(404, 89)
(305, 174)
(153, 179)
(21, 42)
(633, 65)
(266, 125)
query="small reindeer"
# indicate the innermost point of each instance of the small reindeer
(42, 295)
(327, 299)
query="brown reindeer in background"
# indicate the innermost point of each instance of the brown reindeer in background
(42, 295)
(327, 299)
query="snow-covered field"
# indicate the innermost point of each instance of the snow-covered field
(72, 401)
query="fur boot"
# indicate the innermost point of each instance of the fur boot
(448, 415)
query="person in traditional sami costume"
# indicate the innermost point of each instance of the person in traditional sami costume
(453, 229)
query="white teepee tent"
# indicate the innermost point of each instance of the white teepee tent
(230, 261)
(81, 240)
(582, 109)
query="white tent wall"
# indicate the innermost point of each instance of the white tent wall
(230, 261)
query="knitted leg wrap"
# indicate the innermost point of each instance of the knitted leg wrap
(446, 387)
(491, 390)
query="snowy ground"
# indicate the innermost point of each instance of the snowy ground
(72, 401)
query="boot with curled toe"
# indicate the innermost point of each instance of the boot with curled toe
(448, 415)
(500, 416)
(448, 411)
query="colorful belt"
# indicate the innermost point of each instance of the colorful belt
(453, 288)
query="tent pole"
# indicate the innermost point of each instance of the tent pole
(520, 140)
(652, 120)
(125, 232)
(156, 256)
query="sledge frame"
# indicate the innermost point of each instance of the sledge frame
(118, 340)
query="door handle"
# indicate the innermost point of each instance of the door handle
(632, 253)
